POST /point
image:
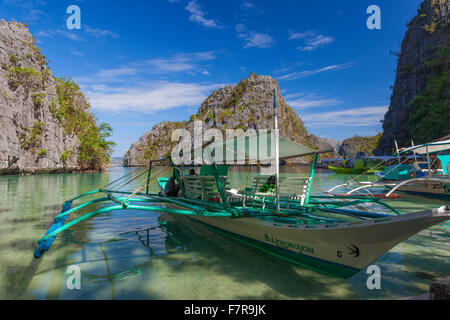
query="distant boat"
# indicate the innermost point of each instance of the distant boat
(342, 170)
(417, 177)
(367, 165)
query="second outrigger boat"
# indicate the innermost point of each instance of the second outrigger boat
(336, 236)
(366, 165)
(417, 177)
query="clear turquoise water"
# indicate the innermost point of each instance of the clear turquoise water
(143, 255)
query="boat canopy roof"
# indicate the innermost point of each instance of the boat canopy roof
(256, 147)
(429, 147)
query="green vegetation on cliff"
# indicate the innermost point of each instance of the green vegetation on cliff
(73, 115)
(430, 117)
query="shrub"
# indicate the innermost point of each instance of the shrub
(65, 155)
(38, 99)
(32, 138)
(26, 77)
(13, 59)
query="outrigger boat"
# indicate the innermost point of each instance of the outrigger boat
(417, 178)
(365, 165)
(337, 236)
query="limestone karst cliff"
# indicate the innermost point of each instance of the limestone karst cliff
(248, 104)
(45, 122)
(420, 101)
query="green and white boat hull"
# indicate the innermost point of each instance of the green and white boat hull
(340, 249)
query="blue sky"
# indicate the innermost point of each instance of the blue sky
(141, 62)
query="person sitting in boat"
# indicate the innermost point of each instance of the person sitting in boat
(172, 188)
(348, 163)
(269, 186)
(192, 172)
(436, 164)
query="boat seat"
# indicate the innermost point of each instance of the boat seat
(290, 188)
(204, 187)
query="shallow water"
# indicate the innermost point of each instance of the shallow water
(144, 255)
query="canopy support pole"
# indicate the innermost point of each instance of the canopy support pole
(277, 152)
(311, 178)
(397, 151)
(148, 176)
(428, 161)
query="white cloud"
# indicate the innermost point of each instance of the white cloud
(254, 39)
(358, 117)
(179, 62)
(314, 43)
(168, 65)
(161, 95)
(76, 35)
(29, 11)
(248, 8)
(119, 72)
(312, 40)
(198, 15)
(258, 40)
(296, 35)
(127, 88)
(307, 73)
(305, 101)
(248, 4)
(42, 33)
(100, 33)
(72, 35)
(76, 53)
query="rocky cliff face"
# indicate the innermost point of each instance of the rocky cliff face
(350, 147)
(247, 105)
(34, 134)
(426, 40)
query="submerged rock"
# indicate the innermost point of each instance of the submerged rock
(440, 289)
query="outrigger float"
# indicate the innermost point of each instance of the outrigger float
(333, 235)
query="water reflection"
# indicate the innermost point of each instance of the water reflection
(143, 255)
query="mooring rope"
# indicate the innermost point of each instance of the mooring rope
(121, 178)
(127, 182)
(144, 186)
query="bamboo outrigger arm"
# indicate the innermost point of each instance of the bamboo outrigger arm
(121, 203)
(369, 185)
